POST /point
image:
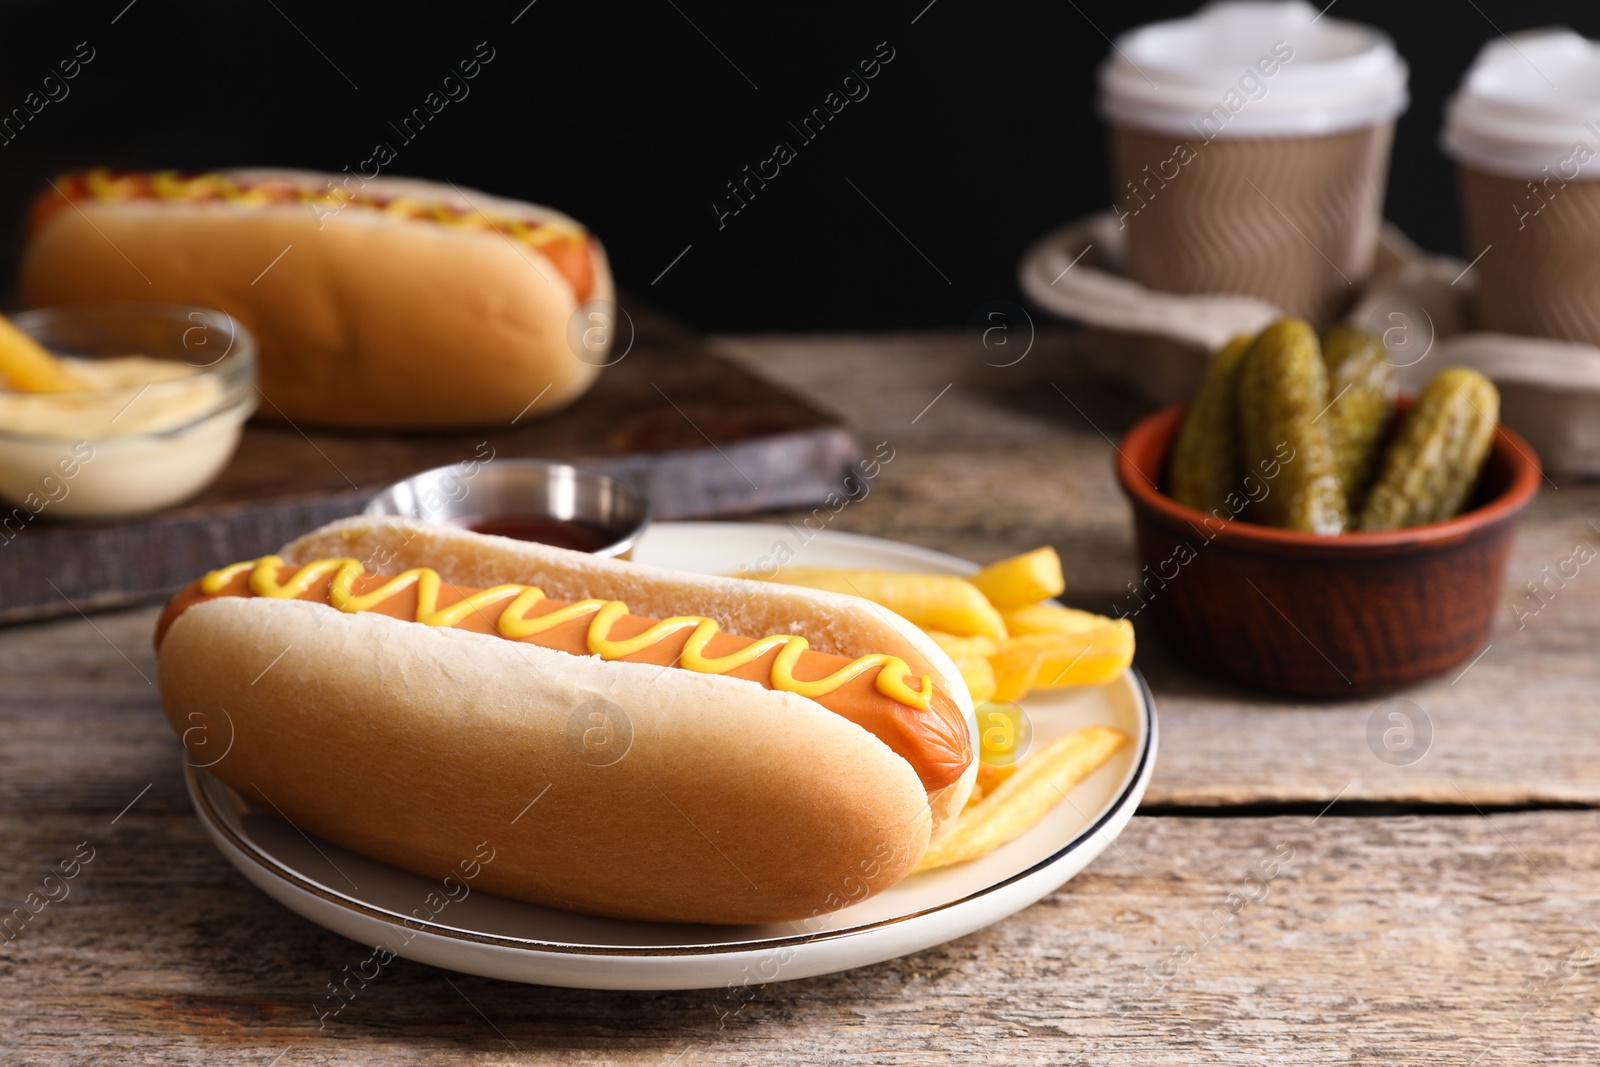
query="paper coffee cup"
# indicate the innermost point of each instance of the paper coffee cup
(1249, 149)
(1525, 134)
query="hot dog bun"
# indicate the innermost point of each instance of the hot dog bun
(372, 317)
(412, 744)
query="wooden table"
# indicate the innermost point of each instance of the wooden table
(1439, 911)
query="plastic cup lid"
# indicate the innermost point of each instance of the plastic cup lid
(1252, 69)
(1529, 102)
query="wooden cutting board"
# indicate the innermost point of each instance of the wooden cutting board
(700, 435)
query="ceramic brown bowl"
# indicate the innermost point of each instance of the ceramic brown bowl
(1327, 617)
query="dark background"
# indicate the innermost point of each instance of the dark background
(979, 135)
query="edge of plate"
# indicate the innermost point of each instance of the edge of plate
(217, 822)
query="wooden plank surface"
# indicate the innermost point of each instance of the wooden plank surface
(1451, 937)
(1225, 941)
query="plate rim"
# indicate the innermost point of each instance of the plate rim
(201, 784)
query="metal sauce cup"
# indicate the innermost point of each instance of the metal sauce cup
(529, 499)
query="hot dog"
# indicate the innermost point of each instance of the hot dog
(379, 303)
(417, 711)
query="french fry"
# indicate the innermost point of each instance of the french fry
(990, 775)
(1050, 619)
(27, 367)
(1003, 733)
(958, 647)
(1088, 657)
(1021, 580)
(996, 628)
(971, 657)
(1017, 804)
(978, 675)
(931, 601)
(1016, 669)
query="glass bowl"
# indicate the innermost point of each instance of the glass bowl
(155, 436)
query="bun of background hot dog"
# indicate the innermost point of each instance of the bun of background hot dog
(412, 744)
(367, 315)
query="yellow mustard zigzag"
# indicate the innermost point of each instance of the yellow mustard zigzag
(893, 679)
(104, 184)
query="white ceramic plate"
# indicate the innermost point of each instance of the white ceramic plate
(499, 938)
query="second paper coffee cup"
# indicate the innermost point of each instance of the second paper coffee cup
(1525, 135)
(1249, 149)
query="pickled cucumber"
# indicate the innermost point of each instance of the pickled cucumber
(1437, 453)
(1360, 401)
(1205, 459)
(1283, 388)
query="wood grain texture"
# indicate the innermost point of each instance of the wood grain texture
(1228, 941)
(1456, 939)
